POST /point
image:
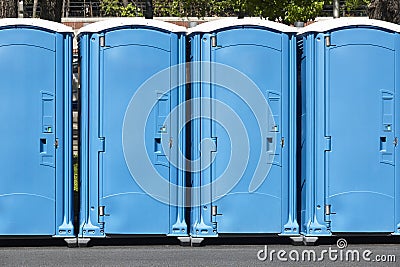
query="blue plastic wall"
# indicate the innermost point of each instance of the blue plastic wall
(35, 114)
(257, 203)
(113, 202)
(348, 121)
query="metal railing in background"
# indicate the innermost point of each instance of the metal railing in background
(82, 9)
(71, 8)
(344, 11)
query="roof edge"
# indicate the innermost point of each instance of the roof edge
(121, 22)
(41, 23)
(331, 24)
(219, 24)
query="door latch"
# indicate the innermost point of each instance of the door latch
(102, 211)
(327, 41)
(213, 41)
(214, 211)
(282, 141)
(102, 41)
(327, 209)
(395, 141)
(56, 143)
(171, 141)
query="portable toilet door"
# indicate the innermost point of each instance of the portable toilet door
(243, 80)
(35, 113)
(349, 81)
(131, 180)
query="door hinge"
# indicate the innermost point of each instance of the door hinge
(102, 144)
(214, 41)
(102, 41)
(328, 143)
(395, 141)
(214, 139)
(282, 141)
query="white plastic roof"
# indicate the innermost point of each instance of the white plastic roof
(45, 24)
(230, 22)
(331, 24)
(118, 22)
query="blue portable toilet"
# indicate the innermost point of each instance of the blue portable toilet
(349, 72)
(132, 175)
(243, 89)
(35, 113)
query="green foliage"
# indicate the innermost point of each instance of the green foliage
(130, 11)
(354, 4)
(287, 11)
(115, 8)
(302, 10)
(273, 10)
(168, 8)
(196, 8)
(110, 7)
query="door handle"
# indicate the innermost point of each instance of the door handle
(270, 145)
(43, 146)
(383, 143)
(157, 145)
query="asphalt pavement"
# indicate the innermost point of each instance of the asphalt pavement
(245, 253)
